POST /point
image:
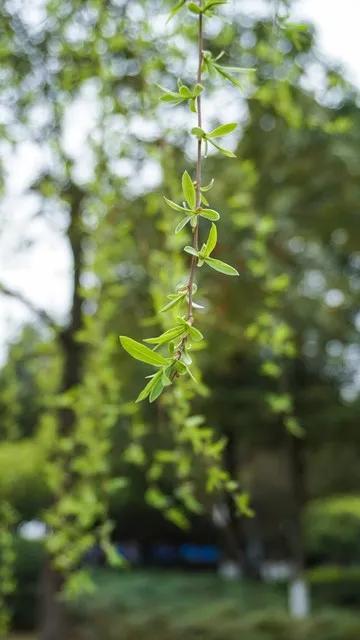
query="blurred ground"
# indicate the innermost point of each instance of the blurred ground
(175, 606)
(163, 605)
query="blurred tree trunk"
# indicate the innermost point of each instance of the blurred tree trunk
(298, 484)
(234, 534)
(54, 624)
(53, 614)
(299, 596)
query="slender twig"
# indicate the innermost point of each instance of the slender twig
(194, 259)
(195, 243)
(40, 313)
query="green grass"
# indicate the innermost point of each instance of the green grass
(180, 606)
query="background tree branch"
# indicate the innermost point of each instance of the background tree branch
(41, 314)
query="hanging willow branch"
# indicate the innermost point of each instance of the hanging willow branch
(178, 339)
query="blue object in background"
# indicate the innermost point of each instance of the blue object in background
(199, 554)
(165, 554)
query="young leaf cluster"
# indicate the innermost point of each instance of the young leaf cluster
(184, 94)
(213, 67)
(170, 352)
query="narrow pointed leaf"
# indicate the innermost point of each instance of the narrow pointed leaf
(191, 250)
(175, 206)
(189, 190)
(196, 335)
(192, 103)
(199, 133)
(167, 336)
(185, 92)
(225, 152)
(221, 266)
(198, 89)
(191, 374)
(194, 8)
(208, 186)
(209, 214)
(141, 352)
(182, 224)
(234, 81)
(147, 389)
(211, 241)
(175, 10)
(222, 130)
(156, 390)
(239, 69)
(173, 303)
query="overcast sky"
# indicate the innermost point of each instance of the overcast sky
(40, 269)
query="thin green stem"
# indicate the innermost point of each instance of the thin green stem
(195, 243)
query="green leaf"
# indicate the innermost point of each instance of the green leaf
(142, 353)
(209, 214)
(177, 517)
(239, 69)
(190, 373)
(175, 206)
(222, 267)
(226, 72)
(225, 152)
(294, 427)
(188, 190)
(167, 336)
(147, 389)
(211, 241)
(185, 92)
(173, 302)
(156, 498)
(222, 130)
(157, 390)
(195, 334)
(280, 402)
(211, 4)
(199, 133)
(175, 10)
(170, 96)
(182, 224)
(194, 8)
(116, 484)
(198, 89)
(191, 250)
(165, 378)
(208, 186)
(242, 502)
(271, 369)
(112, 555)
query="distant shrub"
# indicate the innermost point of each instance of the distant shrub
(29, 559)
(332, 530)
(336, 585)
(22, 476)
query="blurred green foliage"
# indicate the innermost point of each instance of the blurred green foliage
(332, 527)
(283, 337)
(24, 603)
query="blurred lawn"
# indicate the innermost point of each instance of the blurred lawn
(180, 606)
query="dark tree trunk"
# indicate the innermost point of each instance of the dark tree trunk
(233, 534)
(54, 624)
(297, 475)
(53, 614)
